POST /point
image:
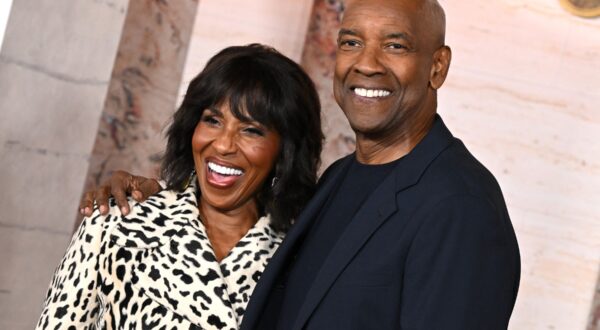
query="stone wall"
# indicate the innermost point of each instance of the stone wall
(55, 67)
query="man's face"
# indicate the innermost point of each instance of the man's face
(383, 66)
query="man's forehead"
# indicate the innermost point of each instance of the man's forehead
(380, 9)
(408, 15)
(385, 16)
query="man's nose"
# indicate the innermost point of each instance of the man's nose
(369, 62)
(226, 142)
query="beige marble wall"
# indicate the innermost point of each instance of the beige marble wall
(55, 65)
(223, 23)
(523, 94)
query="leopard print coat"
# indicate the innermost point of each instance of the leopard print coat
(154, 269)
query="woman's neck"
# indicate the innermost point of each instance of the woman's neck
(225, 229)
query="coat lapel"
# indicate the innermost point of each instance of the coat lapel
(288, 247)
(374, 212)
(175, 264)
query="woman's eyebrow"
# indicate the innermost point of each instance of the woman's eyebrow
(215, 111)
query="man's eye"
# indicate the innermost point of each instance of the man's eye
(396, 46)
(348, 43)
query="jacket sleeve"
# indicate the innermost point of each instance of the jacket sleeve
(462, 269)
(71, 300)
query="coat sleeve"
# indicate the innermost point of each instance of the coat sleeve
(71, 301)
(462, 269)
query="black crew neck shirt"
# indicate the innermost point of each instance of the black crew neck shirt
(359, 181)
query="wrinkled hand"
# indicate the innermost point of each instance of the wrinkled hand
(120, 185)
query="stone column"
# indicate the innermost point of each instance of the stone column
(318, 59)
(143, 89)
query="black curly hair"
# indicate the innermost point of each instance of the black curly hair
(260, 84)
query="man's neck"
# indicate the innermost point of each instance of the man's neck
(391, 147)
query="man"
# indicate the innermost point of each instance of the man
(410, 231)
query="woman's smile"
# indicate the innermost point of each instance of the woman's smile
(221, 175)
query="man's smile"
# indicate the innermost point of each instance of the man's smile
(370, 93)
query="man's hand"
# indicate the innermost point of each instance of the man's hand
(120, 185)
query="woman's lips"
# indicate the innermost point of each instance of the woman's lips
(222, 176)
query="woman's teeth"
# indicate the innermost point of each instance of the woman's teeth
(371, 92)
(224, 170)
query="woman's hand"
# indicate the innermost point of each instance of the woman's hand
(120, 185)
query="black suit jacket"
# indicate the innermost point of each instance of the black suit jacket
(432, 248)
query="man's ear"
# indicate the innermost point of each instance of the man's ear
(439, 69)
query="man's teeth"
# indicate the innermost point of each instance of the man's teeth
(371, 92)
(224, 170)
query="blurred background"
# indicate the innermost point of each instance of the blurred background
(87, 87)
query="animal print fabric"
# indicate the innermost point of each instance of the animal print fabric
(154, 269)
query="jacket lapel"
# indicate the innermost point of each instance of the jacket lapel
(175, 264)
(288, 247)
(188, 283)
(374, 212)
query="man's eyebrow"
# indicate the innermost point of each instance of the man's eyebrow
(397, 35)
(394, 35)
(347, 32)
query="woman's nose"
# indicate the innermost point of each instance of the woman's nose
(226, 142)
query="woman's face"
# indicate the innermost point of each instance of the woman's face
(232, 158)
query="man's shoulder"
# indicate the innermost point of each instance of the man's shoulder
(457, 171)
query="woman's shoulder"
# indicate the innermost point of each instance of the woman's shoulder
(155, 221)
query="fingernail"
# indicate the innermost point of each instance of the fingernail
(81, 210)
(88, 211)
(124, 210)
(103, 209)
(136, 195)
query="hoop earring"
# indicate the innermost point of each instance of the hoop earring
(274, 181)
(189, 180)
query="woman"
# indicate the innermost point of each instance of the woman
(241, 161)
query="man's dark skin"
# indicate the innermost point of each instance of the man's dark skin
(412, 65)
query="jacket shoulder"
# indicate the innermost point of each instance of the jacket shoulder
(457, 171)
(155, 221)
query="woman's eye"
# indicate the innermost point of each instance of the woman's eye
(254, 131)
(211, 120)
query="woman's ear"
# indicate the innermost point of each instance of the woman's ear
(439, 69)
